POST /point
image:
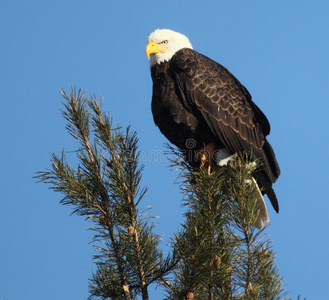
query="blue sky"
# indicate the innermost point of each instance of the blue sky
(278, 49)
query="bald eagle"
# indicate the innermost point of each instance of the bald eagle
(199, 105)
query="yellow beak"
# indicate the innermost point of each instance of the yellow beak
(153, 48)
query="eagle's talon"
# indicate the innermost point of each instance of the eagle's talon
(203, 160)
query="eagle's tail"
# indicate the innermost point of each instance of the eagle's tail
(267, 189)
(261, 206)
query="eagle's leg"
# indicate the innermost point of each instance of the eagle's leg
(205, 155)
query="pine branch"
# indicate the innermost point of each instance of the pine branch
(203, 271)
(223, 256)
(105, 188)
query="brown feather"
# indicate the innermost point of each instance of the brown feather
(196, 98)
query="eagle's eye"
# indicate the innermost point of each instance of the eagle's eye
(165, 42)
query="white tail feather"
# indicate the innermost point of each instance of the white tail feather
(261, 206)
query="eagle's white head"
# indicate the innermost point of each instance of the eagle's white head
(162, 44)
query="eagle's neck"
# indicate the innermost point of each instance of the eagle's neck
(159, 58)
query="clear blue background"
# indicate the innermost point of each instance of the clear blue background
(278, 49)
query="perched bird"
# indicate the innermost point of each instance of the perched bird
(206, 112)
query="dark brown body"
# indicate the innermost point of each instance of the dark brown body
(197, 102)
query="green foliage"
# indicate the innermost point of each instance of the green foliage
(217, 254)
(223, 256)
(105, 188)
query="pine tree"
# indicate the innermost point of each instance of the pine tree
(218, 253)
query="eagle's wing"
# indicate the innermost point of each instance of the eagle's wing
(220, 101)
